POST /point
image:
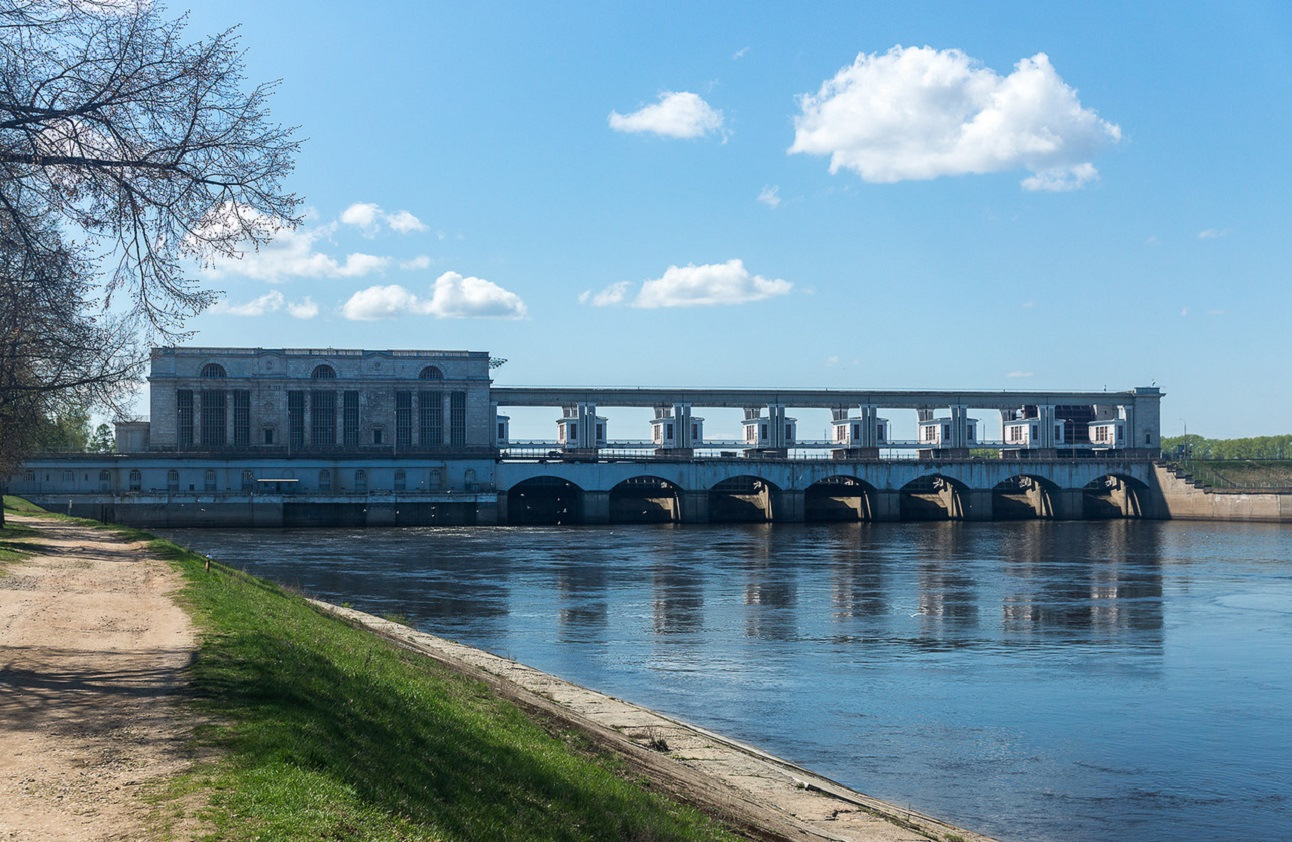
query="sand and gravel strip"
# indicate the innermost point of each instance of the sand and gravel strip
(93, 651)
(759, 794)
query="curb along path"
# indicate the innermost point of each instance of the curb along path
(761, 795)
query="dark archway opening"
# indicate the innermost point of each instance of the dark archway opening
(645, 500)
(544, 501)
(837, 499)
(743, 499)
(1113, 496)
(1022, 498)
(932, 497)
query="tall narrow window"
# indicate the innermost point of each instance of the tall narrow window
(323, 418)
(361, 482)
(350, 419)
(401, 481)
(172, 480)
(136, 481)
(208, 482)
(248, 481)
(214, 417)
(241, 417)
(296, 419)
(325, 481)
(458, 419)
(184, 417)
(403, 419)
(430, 409)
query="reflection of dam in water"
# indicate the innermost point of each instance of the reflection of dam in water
(1016, 676)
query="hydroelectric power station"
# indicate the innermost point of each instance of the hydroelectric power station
(331, 437)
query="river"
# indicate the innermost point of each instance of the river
(1030, 680)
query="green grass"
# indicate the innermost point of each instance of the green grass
(328, 732)
(16, 540)
(1241, 473)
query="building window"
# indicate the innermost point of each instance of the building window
(789, 433)
(213, 370)
(350, 418)
(269, 435)
(431, 373)
(361, 482)
(136, 481)
(172, 480)
(325, 481)
(323, 372)
(323, 419)
(879, 432)
(458, 419)
(403, 419)
(469, 479)
(184, 417)
(401, 481)
(1036, 433)
(213, 418)
(762, 431)
(68, 477)
(241, 417)
(296, 419)
(668, 431)
(1058, 432)
(946, 432)
(430, 409)
(601, 432)
(105, 481)
(437, 479)
(248, 481)
(377, 435)
(502, 431)
(208, 482)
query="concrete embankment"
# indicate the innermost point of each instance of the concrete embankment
(762, 796)
(1185, 500)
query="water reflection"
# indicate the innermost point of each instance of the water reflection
(1013, 677)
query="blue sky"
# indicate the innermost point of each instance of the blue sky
(855, 195)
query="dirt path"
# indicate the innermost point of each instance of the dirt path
(92, 652)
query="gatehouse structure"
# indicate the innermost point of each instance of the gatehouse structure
(291, 437)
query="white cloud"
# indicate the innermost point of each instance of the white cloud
(420, 262)
(921, 113)
(678, 114)
(739, 54)
(404, 222)
(452, 296)
(361, 215)
(1213, 233)
(367, 217)
(1019, 374)
(292, 254)
(303, 309)
(271, 302)
(692, 286)
(770, 196)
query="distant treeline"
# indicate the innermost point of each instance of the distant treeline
(1257, 447)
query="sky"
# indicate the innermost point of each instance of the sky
(827, 195)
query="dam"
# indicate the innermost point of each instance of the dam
(348, 437)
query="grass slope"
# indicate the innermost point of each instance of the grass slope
(333, 733)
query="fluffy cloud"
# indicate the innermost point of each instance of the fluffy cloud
(677, 114)
(271, 302)
(692, 286)
(770, 196)
(292, 254)
(367, 217)
(452, 296)
(921, 113)
(1213, 233)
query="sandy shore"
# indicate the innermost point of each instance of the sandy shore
(761, 795)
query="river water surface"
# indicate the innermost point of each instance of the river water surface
(1095, 681)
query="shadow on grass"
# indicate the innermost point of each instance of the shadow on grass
(338, 734)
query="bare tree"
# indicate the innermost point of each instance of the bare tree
(127, 155)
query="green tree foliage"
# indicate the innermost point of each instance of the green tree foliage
(103, 441)
(67, 431)
(1256, 447)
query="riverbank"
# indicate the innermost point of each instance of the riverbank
(311, 728)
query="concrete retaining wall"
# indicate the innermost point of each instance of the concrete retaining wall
(1184, 501)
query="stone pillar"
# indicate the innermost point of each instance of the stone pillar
(976, 504)
(501, 509)
(959, 428)
(885, 506)
(869, 415)
(682, 426)
(595, 504)
(1068, 504)
(788, 507)
(695, 506)
(776, 426)
(586, 412)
